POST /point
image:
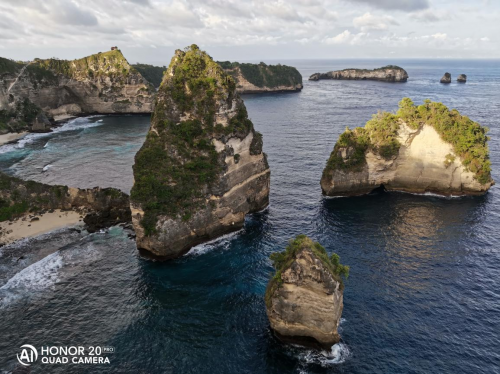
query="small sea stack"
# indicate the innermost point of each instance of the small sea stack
(446, 78)
(462, 78)
(304, 299)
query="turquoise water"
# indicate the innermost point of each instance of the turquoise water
(421, 296)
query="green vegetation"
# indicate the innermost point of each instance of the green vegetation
(379, 135)
(262, 75)
(9, 66)
(178, 163)
(18, 196)
(376, 69)
(18, 117)
(153, 74)
(111, 63)
(283, 260)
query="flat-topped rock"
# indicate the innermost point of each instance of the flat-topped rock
(389, 73)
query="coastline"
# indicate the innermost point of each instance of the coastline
(11, 137)
(31, 225)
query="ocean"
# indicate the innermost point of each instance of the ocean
(422, 294)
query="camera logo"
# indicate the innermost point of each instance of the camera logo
(29, 355)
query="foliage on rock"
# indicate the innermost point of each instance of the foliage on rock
(262, 75)
(153, 74)
(178, 163)
(379, 135)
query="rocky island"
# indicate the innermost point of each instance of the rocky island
(103, 83)
(304, 299)
(201, 168)
(389, 73)
(261, 78)
(425, 148)
(462, 78)
(446, 78)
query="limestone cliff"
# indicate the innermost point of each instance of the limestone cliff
(101, 206)
(103, 83)
(389, 73)
(304, 300)
(419, 149)
(260, 78)
(201, 168)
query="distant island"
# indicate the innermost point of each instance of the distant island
(258, 78)
(389, 73)
(425, 148)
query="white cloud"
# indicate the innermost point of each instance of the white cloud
(404, 5)
(369, 22)
(346, 37)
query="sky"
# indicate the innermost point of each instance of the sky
(149, 31)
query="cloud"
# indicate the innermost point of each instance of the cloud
(403, 5)
(369, 22)
(431, 15)
(346, 37)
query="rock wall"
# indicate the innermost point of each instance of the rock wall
(386, 74)
(306, 305)
(424, 162)
(201, 169)
(104, 83)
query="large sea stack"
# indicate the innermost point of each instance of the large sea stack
(103, 83)
(389, 73)
(201, 168)
(304, 299)
(426, 148)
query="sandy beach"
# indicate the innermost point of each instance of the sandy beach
(15, 230)
(6, 138)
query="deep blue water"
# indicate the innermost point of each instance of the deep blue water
(422, 294)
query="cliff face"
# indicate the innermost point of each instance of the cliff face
(304, 300)
(102, 83)
(258, 78)
(201, 168)
(102, 206)
(420, 149)
(388, 73)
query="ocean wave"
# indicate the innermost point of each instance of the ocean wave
(338, 354)
(223, 241)
(47, 167)
(74, 124)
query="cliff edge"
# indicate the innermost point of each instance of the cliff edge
(201, 168)
(389, 73)
(425, 148)
(304, 299)
(103, 83)
(261, 78)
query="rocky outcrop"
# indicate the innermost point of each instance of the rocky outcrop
(446, 78)
(304, 300)
(420, 149)
(153, 74)
(102, 207)
(103, 83)
(262, 78)
(201, 168)
(390, 73)
(462, 78)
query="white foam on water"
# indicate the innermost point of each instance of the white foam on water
(223, 240)
(338, 354)
(37, 276)
(74, 124)
(47, 167)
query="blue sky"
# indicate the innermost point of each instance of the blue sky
(150, 30)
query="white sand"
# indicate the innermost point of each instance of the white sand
(46, 223)
(5, 138)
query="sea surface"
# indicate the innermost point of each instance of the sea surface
(422, 295)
